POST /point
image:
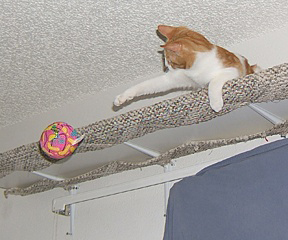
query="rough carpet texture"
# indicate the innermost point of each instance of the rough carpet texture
(192, 108)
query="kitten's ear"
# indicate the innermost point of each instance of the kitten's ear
(175, 47)
(166, 31)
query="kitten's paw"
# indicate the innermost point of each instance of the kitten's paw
(216, 105)
(122, 98)
(119, 100)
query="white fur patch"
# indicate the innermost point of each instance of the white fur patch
(207, 66)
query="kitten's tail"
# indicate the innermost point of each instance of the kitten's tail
(256, 68)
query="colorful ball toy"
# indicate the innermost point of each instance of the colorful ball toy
(59, 140)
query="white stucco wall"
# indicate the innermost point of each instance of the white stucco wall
(134, 215)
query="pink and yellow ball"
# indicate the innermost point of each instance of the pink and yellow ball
(58, 140)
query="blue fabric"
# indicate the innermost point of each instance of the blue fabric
(244, 197)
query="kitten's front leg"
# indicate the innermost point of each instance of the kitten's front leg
(215, 96)
(146, 87)
(129, 94)
(163, 83)
(215, 88)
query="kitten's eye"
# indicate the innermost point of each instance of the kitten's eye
(173, 65)
(177, 65)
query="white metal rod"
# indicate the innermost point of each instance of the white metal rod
(72, 191)
(167, 186)
(271, 117)
(146, 151)
(60, 203)
(72, 219)
(45, 175)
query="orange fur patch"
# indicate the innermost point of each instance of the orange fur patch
(229, 59)
(249, 69)
(183, 44)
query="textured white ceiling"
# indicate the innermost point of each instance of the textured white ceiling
(53, 52)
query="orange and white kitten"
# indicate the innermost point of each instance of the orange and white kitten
(194, 63)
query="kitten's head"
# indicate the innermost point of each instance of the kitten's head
(182, 45)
